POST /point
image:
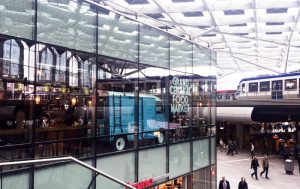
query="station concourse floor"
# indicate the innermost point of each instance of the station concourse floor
(237, 166)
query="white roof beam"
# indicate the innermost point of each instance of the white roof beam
(289, 42)
(257, 65)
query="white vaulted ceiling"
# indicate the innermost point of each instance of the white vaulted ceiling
(251, 37)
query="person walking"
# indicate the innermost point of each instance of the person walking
(243, 184)
(252, 150)
(235, 146)
(224, 184)
(230, 148)
(254, 166)
(265, 164)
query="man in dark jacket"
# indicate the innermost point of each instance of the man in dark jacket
(265, 163)
(224, 184)
(254, 165)
(243, 184)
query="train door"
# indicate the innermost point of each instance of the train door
(277, 89)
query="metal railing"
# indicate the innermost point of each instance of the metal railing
(68, 158)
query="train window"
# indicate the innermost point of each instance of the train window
(253, 87)
(290, 84)
(264, 86)
(277, 85)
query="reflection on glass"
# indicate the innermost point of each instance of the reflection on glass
(180, 55)
(16, 18)
(154, 47)
(117, 36)
(45, 66)
(11, 61)
(67, 23)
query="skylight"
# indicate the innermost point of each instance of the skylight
(155, 15)
(137, 2)
(273, 33)
(238, 25)
(276, 10)
(165, 27)
(242, 34)
(274, 23)
(192, 14)
(209, 35)
(234, 12)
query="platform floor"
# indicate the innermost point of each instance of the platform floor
(237, 166)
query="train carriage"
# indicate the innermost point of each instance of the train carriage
(283, 86)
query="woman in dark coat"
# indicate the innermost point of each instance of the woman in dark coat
(243, 184)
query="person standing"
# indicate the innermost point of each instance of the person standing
(243, 184)
(221, 145)
(252, 150)
(254, 166)
(265, 163)
(224, 184)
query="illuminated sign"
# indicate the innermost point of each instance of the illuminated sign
(142, 184)
(180, 91)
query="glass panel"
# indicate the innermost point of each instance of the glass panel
(116, 99)
(179, 159)
(276, 85)
(213, 150)
(253, 87)
(118, 36)
(264, 86)
(11, 66)
(66, 106)
(67, 23)
(45, 64)
(60, 68)
(104, 183)
(202, 62)
(120, 166)
(18, 180)
(180, 55)
(29, 63)
(154, 47)
(16, 18)
(202, 179)
(200, 154)
(152, 163)
(180, 95)
(291, 84)
(153, 110)
(64, 176)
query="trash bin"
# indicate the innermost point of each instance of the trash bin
(289, 166)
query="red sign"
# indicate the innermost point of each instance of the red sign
(142, 184)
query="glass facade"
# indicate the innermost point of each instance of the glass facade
(84, 81)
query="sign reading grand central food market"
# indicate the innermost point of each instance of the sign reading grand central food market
(180, 90)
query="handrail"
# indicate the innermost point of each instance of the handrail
(68, 158)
